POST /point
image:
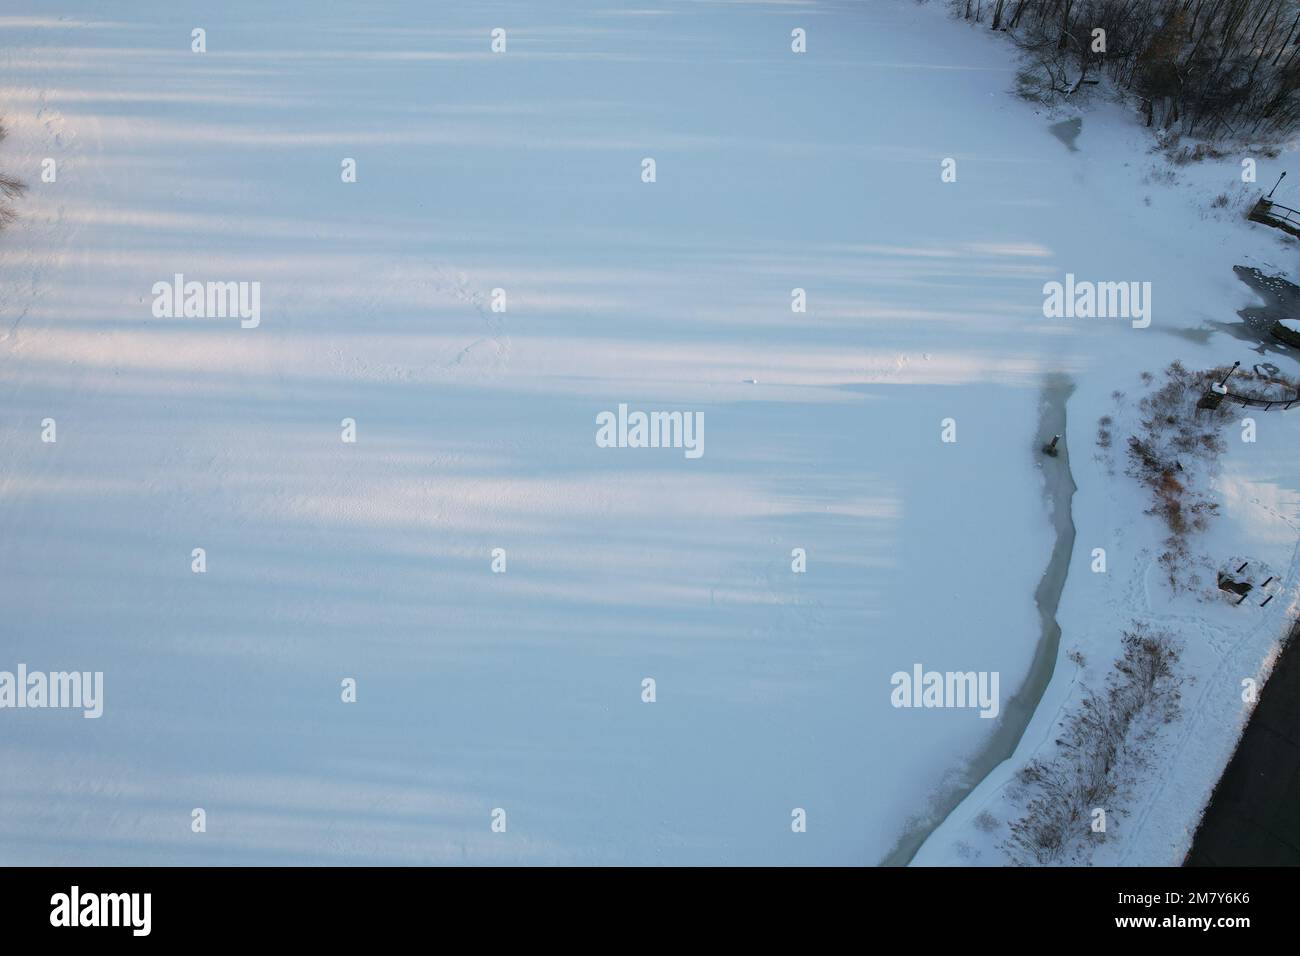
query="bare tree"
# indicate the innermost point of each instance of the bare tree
(10, 189)
(1204, 67)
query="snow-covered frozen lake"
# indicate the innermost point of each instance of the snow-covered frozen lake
(522, 171)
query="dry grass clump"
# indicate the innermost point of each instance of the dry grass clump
(1104, 741)
(10, 189)
(1175, 442)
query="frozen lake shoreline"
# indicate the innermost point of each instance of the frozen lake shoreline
(518, 683)
(1019, 709)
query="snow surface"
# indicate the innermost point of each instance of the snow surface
(521, 171)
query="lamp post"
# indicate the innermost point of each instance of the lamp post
(1276, 184)
(1224, 383)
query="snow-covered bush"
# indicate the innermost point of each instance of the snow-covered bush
(1177, 442)
(1103, 741)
